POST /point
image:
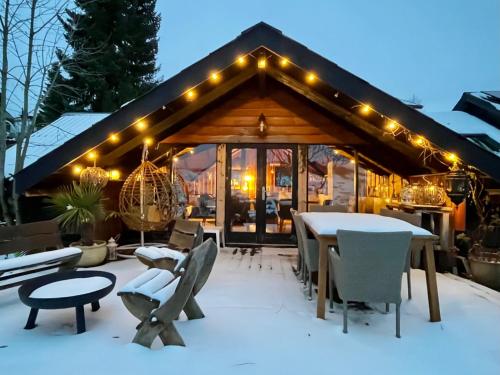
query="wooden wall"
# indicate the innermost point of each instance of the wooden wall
(289, 117)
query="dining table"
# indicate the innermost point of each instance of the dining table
(324, 227)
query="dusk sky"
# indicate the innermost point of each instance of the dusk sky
(433, 49)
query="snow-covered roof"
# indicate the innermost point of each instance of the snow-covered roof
(492, 97)
(52, 136)
(467, 125)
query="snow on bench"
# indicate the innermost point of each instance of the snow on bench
(158, 285)
(29, 260)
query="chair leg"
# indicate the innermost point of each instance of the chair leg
(310, 286)
(344, 305)
(330, 291)
(147, 333)
(192, 309)
(398, 320)
(408, 278)
(304, 275)
(170, 335)
(386, 308)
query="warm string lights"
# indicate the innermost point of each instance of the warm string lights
(392, 127)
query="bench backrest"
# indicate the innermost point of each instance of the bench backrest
(30, 238)
(186, 235)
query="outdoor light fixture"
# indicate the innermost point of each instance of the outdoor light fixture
(456, 184)
(94, 176)
(191, 94)
(365, 109)
(262, 124)
(114, 137)
(141, 125)
(284, 62)
(392, 126)
(215, 77)
(92, 155)
(241, 60)
(114, 174)
(77, 169)
(311, 77)
(262, 63)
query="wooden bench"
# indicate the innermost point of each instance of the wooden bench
(33, 241)
(185, 236)
(157, 297)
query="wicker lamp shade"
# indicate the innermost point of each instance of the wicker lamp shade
(147, 199)
(95, 176)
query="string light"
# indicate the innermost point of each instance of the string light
(176, 159)
(311, 77)
(452, 157)
(420, 141)
(77, 169)
(284, 62)
(148, 141)
(366, 109)
(215, 77)
(141, 125)
(262, 63)
(191, 151)
(114, 138)
(114, 174)
(241, 60)
(92, 155)
(392, 126)
(191, 94)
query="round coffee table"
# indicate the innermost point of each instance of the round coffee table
(62, 290)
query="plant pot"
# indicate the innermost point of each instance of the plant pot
(485, 272)
(92, 255)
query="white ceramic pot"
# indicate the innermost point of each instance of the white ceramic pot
(92, 255)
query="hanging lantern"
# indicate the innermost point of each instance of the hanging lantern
(94, 176)
(147, 199)
(456, 184)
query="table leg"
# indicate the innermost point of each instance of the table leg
(95, 305)
(323, 265)
(430, 275)
(30, 324)
(80, 319)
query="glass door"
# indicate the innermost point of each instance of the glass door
(260, 191)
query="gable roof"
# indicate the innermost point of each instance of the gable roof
(157, 102)
(51, 137)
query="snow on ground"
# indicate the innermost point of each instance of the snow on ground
(258, 321)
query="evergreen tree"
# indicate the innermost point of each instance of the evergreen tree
(113, 56)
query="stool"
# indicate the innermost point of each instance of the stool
(219, 235)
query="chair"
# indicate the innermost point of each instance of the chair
(309, 248)
(321, 208)
(369, 267)
(32, 240)
(413, 219)
(284, 207)
(185, 236)
(157, 297)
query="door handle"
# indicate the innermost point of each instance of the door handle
(264, 193)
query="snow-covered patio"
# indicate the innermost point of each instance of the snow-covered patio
(258, 321)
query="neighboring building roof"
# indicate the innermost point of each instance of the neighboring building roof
(50, 137)
(482, 104)
(166, 105)
(471, 127)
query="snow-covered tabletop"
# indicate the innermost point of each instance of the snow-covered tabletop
(328, 223)
(71, 287)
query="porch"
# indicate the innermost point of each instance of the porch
(253, 302)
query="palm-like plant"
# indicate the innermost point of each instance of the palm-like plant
(79, 206)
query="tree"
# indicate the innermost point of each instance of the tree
(123, 34)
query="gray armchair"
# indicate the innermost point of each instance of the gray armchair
(308, 249)
(369, 268)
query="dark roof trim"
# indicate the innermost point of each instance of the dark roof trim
(261, 34)
(480, 108)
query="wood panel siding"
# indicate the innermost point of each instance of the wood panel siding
(289, 119)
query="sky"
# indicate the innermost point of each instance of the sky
(433, 50)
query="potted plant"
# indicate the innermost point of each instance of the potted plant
(79, 207)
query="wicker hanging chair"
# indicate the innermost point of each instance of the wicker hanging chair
(147, 199)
